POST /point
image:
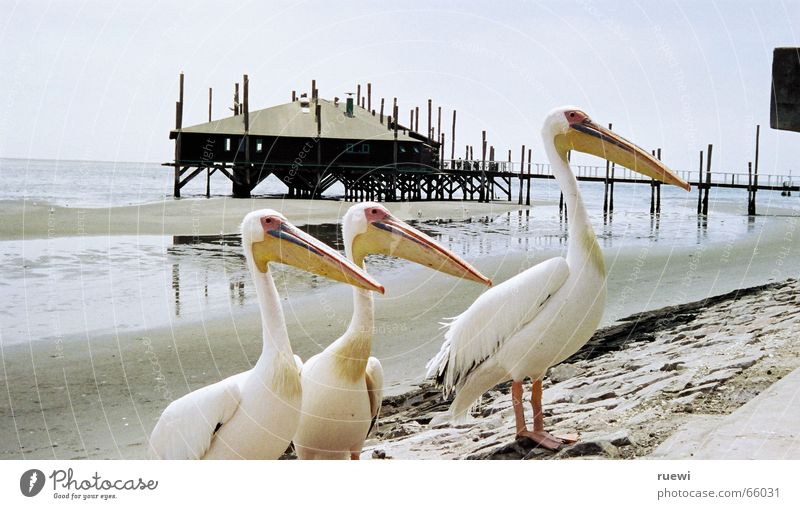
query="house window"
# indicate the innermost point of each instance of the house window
(228, 144)
(357, 148)
(259, 145)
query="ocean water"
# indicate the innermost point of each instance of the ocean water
(73, 287)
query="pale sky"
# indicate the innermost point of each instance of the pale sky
(98, 80)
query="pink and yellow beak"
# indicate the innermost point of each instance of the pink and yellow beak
(390, 236)
(285, 243)
(586, 136)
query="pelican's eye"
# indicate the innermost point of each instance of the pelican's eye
(571, 114)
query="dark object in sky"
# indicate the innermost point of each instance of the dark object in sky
(785, 101)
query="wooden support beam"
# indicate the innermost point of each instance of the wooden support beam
(755, 169)
(313, 90)
(528, 192)
(358, 94)
(605, 181)
(439, 123)
(369, 96)
(700, 186)
(658, 187)
(482, 192)
(235, 99)
(210, 96)
(708, 180)
(521, 168)
(294, 95)
(381, 110)
(453, 137)
(416, 119)
(430, 119)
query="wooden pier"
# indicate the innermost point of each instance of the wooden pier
(311, 144)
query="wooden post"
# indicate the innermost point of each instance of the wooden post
(441, 151)
(358, 95)
(521, 167)
(176, 192)
(750, 201)
(755, 169)
(313, 90)
(430, 119)
(411, 116)
(369, 96)
(394, 114)
(209, 103)
(700, 186)
(482, 193)
(652, 190)
(381, 110)
(453, 138)
(528, 192)
(416, 119)
(294, 95)
(605, 182)
(439, 124)
(246, 111)
(708, 180)
(208, 182)
(235, 99)
(658, 188)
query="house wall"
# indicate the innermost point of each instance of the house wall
(210, 148)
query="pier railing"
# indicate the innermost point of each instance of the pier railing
(620, 174)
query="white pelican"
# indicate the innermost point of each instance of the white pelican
(540, 317)
(343, 385)
(253, 415)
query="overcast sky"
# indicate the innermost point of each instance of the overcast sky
(98, 80)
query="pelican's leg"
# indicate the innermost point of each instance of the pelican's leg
(538, 435)
(355, 455)
(519, 412)
(538, 419)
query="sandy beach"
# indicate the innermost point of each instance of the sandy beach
(98, 394)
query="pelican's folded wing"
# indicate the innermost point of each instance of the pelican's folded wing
(495, 316)
(188, 424)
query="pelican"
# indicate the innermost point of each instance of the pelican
(540, 317)
(343, 385)
(253, 415)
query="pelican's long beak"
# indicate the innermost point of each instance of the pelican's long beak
(393, 237)
(289, 245)
(586, 136)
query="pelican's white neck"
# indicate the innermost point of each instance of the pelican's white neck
(273, 323)
(581, 241)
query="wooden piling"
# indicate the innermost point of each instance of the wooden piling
(658, 187)
(605, 181)
(482, 192)
(439, 123)
(381, 119)
(700, 186)
(210, 93)
(416, 119)
(453, 138)
(411, 123)
(369, 96)
(235, 99)
(294, 95)
(430, 119)
(176, 192)
(521, 169)
(246, 112)
(313, 90)
(358, 94)
(751, 205)
(528, 192)
(755, 169)
(708, 180)
(652, 190)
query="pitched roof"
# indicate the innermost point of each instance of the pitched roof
(287, 120)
